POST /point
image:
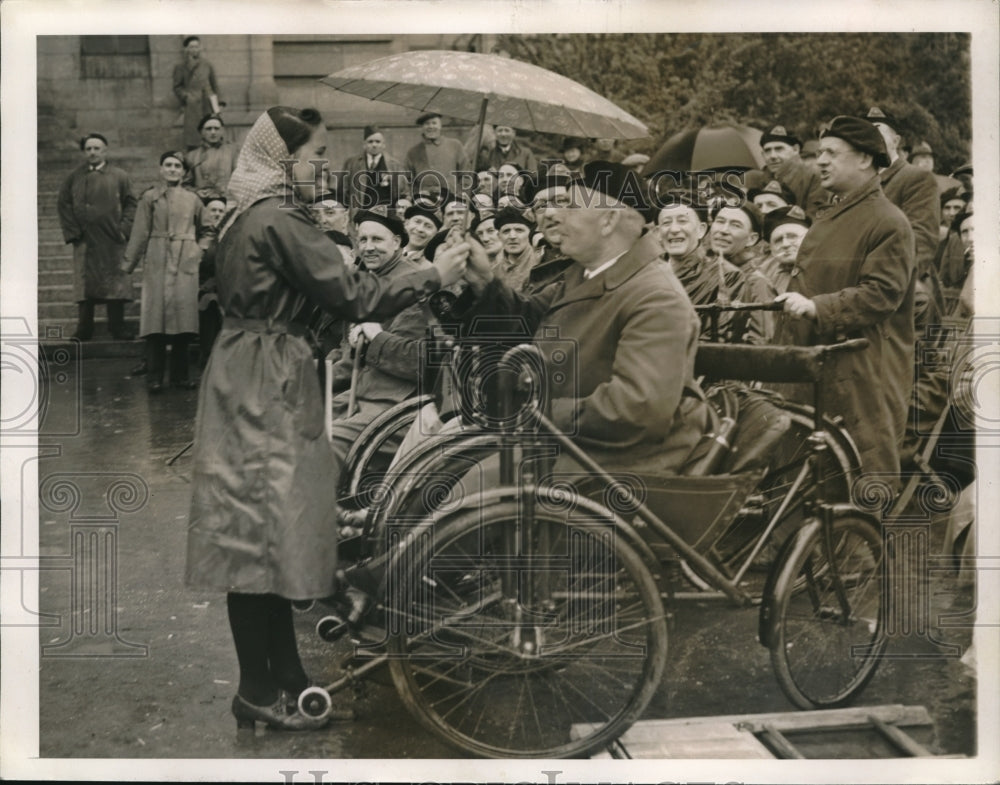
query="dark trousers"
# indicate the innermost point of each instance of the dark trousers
(156, 357)
(116, 319)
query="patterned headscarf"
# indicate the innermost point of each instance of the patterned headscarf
(259, 173)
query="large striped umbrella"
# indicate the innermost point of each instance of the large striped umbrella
(490, 89)
(726, 146)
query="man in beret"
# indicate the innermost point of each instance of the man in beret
(210, 165)
(914, 191)
(518, 256)
(96, 210)
(435, 160)
(618, 332)
(506, 150)
(770, 196)
(855, 278)
(781, 156)
(784, 229)
(707, 279)
(390, 350)
(421, 224)
(374, 177)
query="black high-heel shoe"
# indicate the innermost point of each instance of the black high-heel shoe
(276, 716)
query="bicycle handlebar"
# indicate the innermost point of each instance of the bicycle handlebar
(736, 305)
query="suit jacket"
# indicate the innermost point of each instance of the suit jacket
(914, 191)
(385, 185)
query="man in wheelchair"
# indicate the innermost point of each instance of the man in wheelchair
(618, 334)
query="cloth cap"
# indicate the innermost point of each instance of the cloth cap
(83, 140)
(963, 169)
(534, 186)
(174, 154)
(780, 134)
(861, 135)
(511, 215)
(793, 214)
(425, 212)
(621, 184)
(370, 130)
(392, 224)
(328, 199)
(425, 117)
(954, 193)
(209, 116)
(876, 115)
(773, 187)
(570, 142)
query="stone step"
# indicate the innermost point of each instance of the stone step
(67, 311)
(52, 263)
(100, 347)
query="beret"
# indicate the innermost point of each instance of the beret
(793, 214)
(751, 211)
(861, 135)
(772, 187)
(173, 154)
(392, 224)
(779, 134)
(876, 115)
(425, 212)
(511, 215)
(371, 129)
(621, 184)
(83, 141)
(427, 116)
(209, 116)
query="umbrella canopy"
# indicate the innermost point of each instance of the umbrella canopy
(487, 88)
(727, 146)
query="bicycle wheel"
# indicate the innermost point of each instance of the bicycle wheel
(824, 651)
(789, 456)
(502, 654)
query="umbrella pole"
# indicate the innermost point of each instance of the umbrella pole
(482, 127)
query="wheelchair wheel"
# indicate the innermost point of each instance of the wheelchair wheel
(824, 651)
(504, 654)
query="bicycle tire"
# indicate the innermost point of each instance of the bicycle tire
(740, 537)
(819, 660)
(599, 642)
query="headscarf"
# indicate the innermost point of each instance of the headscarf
(259, 173)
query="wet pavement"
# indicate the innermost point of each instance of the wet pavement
(142, 667)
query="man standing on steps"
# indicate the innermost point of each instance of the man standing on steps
(96, 209)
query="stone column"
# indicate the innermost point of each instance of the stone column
(262, 92)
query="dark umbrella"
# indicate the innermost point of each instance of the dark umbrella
(727, 146)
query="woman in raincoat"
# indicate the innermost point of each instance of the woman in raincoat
(163, 237)
(263, 522)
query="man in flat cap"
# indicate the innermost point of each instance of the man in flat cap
(390, 350)
(922, 156)
(374, 178)
(914, 191)
(434, 161)
(96, 209)
(618, 332)
(781, 156)
(505, 150)
(855, 278)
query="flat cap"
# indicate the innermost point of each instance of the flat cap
(511, 215)
(423, 211)
(427, 116)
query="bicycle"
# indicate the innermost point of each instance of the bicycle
(499, 606)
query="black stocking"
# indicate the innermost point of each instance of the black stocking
(249, 621)
(282, 650)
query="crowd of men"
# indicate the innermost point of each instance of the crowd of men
(851, 237)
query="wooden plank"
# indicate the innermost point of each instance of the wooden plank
(900, 739)
(775, 739)
(706, 740)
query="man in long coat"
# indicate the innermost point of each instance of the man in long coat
(96, 210)
(374, 177)
(854, 277)
(618, 332)
(434, 160)
(196, 89)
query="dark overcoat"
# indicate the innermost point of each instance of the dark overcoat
(799, 178)
(96, 210)
(856, 263)
(914, 191)
(363, 188)
(263, 507)
(619, 351)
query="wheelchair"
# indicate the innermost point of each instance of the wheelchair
(528, 617)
